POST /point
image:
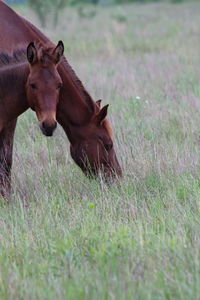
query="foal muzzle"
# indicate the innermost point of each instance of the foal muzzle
(48, 128)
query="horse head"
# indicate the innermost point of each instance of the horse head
(93, 151)
(44, 84)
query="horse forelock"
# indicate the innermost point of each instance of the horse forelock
(45, 54)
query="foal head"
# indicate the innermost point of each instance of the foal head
(93, 151)
(44, 84)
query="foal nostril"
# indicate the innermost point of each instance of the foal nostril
(47, 128)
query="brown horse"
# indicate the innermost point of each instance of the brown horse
(82, 119)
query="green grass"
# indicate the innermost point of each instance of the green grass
(65, 237)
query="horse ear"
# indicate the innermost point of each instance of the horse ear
(98, 103)
(31, 53)
(58, 51)
(101, 115)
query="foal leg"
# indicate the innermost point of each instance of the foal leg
(6, 149)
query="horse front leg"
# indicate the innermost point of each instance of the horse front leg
(6, 149)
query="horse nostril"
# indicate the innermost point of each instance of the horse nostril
(47, 126)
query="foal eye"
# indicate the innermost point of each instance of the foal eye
(33, 86)
(59, 85)
(108, 146)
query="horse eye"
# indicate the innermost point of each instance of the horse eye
(59, 85)
(33, 86)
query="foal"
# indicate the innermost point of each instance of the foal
(34, 83)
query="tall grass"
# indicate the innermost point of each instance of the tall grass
(65, 237)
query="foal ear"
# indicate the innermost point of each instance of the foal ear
(58, 51)
(31, 53)
(101, 115)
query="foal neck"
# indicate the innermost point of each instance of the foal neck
(13, 91)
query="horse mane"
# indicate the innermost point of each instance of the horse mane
(79, 85)
(86, 96)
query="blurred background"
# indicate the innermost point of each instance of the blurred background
(43, 7)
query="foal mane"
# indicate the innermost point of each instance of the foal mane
(11, 79)
(18, 56)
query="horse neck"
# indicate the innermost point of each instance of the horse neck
(75, 108)
(13, 90)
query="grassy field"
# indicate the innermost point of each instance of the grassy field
(65, 237)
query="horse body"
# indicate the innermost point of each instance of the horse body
(83, 121)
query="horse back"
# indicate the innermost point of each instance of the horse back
(15, 31)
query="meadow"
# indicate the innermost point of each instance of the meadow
(65, 237)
